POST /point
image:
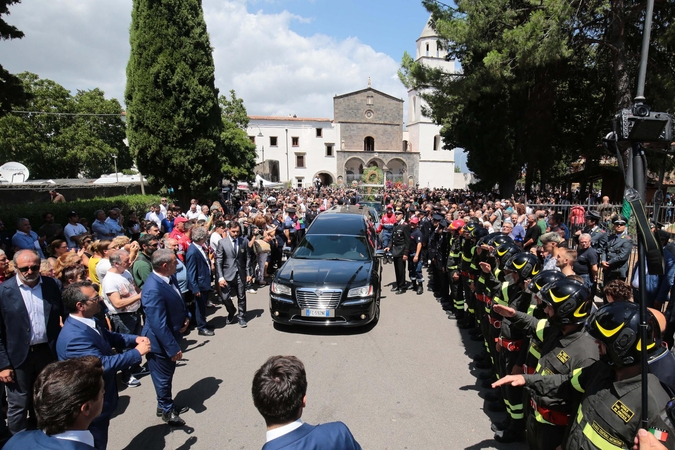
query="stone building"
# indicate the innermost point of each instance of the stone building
(367, 130)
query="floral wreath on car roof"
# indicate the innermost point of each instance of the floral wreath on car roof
(373, 175)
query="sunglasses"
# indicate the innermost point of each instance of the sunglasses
(96, 298)
(34, 268)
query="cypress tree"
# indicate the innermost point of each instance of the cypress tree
(173, 116)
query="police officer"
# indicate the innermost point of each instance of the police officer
(565, 347)
(415, 259)
(610, 390)
(400, 250)
(598, 234)
(619, 247)
(311, 214)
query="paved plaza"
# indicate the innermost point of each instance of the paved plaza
(404, 384)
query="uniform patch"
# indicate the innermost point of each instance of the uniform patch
(606, 436)
(623, 411)
(547, 371)
(563, 357)
(661, 435)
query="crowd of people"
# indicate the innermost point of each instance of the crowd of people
(522, 280)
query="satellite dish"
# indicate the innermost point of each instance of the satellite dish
(14, 172)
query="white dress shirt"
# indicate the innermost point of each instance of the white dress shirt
(167, 280)
(83, 436)
(278, 432)
(32, 298)
(91, 323)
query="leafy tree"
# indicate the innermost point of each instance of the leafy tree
(540, 82)
(72, 145)
(11, 87)
(173, 117)
(238, 157)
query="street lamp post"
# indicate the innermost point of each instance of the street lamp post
(262, 157)
(117, 177)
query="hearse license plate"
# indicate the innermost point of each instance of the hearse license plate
(318, 312)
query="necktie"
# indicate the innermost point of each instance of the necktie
(236, 246)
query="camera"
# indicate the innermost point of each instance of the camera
(640, 124)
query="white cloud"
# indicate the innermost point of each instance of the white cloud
(85, 44)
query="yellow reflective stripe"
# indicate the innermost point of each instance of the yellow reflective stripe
(538, 368)
(465, 258)
(499, 301)
(534, 352)
(539, 418)
(575, 381)
(517, 416)
(580, 415)
(481, 280)
(505, 292)
(471, 311)
(598, 440)
(497, 272)
(530, 309)
(541, 325)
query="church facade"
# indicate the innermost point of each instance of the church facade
(367, 129)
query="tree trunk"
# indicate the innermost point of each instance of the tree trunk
(617, 38)
(507, 184)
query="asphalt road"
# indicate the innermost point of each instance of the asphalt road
(406, 383)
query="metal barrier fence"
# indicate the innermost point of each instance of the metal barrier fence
(665, 218)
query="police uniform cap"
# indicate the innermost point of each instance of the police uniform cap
(444, 223)
(398, 211)
(437, 217)
(619, 220)
(290, 210)
(593, 215)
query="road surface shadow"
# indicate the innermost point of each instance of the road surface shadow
(195, 396)
(323, 331)
(152, 438)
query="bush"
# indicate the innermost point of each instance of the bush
(10, 214)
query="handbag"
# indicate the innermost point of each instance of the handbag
(262, 246)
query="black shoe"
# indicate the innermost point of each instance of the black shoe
(242, 323)
(475, 331)
(481, 357)
(500, 426)
(509, 435)
(173, 419)
(420, 289)
(487, 384)
(483, 365)
(400, 291)
(206, 332)
(467, 324)
(394, 289)
(476, 337)
(451, 315)
(232, 318)
(176, 409)
(430, 287)
(496, 406)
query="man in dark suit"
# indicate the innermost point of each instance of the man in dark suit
(232, 264)
(30, 312)
(166, 318)
(198, 268)
(83, 335)
(280, 394)
(71, 397)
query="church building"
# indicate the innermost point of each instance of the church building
(367, 130)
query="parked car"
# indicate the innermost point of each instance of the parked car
(333, 277)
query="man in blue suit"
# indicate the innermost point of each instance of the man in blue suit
(198, 268)
(69, 396)
(82, 335)
(166, 318)
(30, 315)
(280, 394)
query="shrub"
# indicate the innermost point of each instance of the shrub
(10, 214)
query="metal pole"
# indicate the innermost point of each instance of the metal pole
(288, 176)
(117, 177)
(644, 54)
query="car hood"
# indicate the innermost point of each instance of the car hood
(317, 272)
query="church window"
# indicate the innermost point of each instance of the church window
(369, 100)
(273, 141)
(405, 146)
(300, 160)
(299, 182)
(427, 49)
(319, 132)
(369, 144)
(437, 142)
(329, 149)
(295, 141)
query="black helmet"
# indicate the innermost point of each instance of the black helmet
(543, 278)
(485, 240)
(525, 264)
(469, 227)
(617, 325)
(569, 299)
(479, 232)
(505, 252)
(499, 239)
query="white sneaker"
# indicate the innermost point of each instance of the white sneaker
(251, 291)
(132, 382)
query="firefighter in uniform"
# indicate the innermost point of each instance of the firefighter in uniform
(437, 255)
(454, 258)
(614, 262)
(609, 392)
(400, 249)
(466, 277)
(565, 347)
(512, 340)
(415, 259)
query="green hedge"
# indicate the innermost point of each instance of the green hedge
(10, 214)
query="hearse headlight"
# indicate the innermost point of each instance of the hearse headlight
(280, 289)
(363, 291)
